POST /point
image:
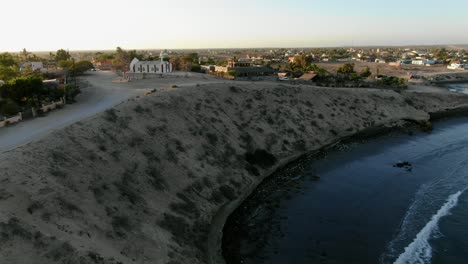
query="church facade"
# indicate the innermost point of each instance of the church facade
(151, 67)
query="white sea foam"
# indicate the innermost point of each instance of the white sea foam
(420, 251)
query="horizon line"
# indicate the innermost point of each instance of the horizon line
(246, 48)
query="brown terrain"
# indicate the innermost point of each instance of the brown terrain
(403, 71)
(154, 179)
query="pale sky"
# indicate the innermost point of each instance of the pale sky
(180, 24)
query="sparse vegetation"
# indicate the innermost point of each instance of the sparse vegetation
(156, 179)
(121, 224)
(178, 226)
(187, 207)
(139, 109)
(110, 115)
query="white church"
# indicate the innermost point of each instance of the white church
(151, 67)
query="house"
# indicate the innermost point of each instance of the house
(32, 65)
(395, 63)
(208, 68)
(309, 76)
(50, 65)
(420, 53)
(418, 62)
(406, 61)
(282, 74)
(244, 69)
(104, 64)
(457, 66)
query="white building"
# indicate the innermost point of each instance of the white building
(457, 66)
(155, 67)
(151, 67)
(33, 65)
(417, 62)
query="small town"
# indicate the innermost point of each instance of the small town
(60, 71)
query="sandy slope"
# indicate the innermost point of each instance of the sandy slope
(99, 94)
(153, 180)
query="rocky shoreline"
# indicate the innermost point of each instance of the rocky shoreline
(154, 179)
(283, 183)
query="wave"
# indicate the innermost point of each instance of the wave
(420, 251)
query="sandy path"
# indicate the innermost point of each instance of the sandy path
(101, 94)
(98, 96)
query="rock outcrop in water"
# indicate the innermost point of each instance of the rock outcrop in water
(153, 180)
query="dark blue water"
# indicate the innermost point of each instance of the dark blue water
(365, 210)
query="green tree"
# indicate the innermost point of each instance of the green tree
(346, 69)
(176, 62)
(71, 92)
(8, 73)
(188, 61)
(232, 73)
(321, 72)
(122, 59)
(24, 90)
(291, 67)
(62, 55)
(7, 60)
(210, 61)
(66, 64)
(8, 108)
(303, 62)
(366, 73)
(82, 66)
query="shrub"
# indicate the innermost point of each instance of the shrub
(151, 130)
(58, 173)
(139, 109)
(13, 228)
(234, 89)
(187, 207)
(261, 157)
(156, 179)
(110, 115)
(34, 207)
(150, 155)
(68, 206)
(128, 191)
(102, 148)
(392, 81)
(61, 251)
(178, 226)
(135, 141)
(228, 192)
(120, 224)
(9, 108)
(212, 138)
(116, 155)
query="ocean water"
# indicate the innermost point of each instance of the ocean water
(459, 88)
(363, 209)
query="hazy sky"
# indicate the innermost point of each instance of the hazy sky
(178, 24)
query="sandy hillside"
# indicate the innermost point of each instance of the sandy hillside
(153, 180)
